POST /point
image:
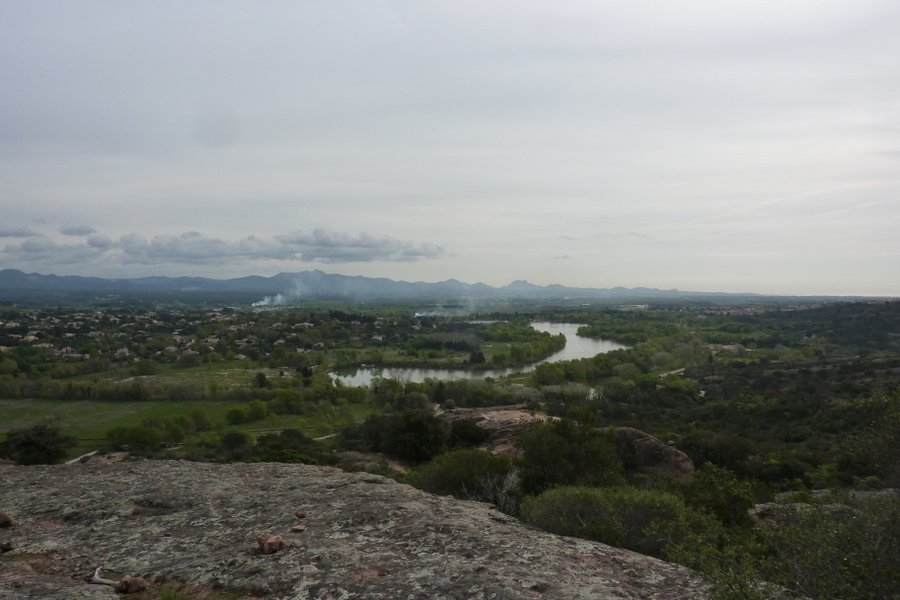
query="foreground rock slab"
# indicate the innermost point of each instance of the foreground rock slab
(366, 537)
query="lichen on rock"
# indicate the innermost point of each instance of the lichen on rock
(365, 537)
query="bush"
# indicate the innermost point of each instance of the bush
(237, 415)
(821, 552)
(234, 440)
(718, 491)
(415, 435)
(199, 421)
(37, 445)
(471, 474)
(838, 554)
(577, 511)
(643, 520)
(466, 433)
(291, 445)
(137, 439)
(145, 367)
(257, 410)
(566, 452)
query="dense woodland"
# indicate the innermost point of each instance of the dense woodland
(793, 405)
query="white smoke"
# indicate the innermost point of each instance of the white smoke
(298, 290)
(276, 300)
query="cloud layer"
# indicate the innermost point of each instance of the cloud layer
(77, 230)
(695, 144)
(194, 248)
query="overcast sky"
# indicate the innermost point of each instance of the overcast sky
(702, 145)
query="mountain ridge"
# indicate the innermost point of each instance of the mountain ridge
(285, 287)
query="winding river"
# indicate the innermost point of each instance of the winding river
(576, 347)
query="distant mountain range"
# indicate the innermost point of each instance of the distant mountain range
(285, 288)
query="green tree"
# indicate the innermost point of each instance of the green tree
(234, 440)
(291, 445)
(237, 415)
(144, 438)
(471, 474)
(719, 492)
(37, 445)
(831, 554)
(199, 420)
(465, 433)
(566, 452)
(644, 520)
(257, 410)
(145, 367)
(413, 435)
(8, 366)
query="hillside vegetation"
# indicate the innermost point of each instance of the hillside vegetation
(793, 407)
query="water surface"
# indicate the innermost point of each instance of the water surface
(576, 347)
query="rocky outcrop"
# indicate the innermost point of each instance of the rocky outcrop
(641, 452)
(365, 537)
(501, 422)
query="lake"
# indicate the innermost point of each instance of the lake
(576, 347)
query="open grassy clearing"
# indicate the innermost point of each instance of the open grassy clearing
(225, 373)
(90, 420)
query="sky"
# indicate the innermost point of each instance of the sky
(705, 145)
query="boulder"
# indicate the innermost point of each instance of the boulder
(367, 537)
(641, 452)
(270, 544)
(6, 521)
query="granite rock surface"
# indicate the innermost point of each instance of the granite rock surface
(365, 536)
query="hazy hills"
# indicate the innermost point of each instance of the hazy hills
(317, 285)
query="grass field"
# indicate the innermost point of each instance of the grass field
(90, 420)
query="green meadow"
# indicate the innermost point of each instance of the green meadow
(90, 420)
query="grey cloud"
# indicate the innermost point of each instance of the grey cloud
(451, 121)
(318, 244)
(37, 245)
(99, 241)
(17, 232)
(334, 247)
(193, 247)
(42, 250)
(77, 230)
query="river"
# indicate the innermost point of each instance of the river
(576, 347)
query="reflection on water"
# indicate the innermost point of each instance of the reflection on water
(576, 347)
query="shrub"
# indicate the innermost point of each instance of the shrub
(232, 440)
(291, 445)
(576, 511)
(415, 435)
(643, 520)
(822, 552)
(37, 445)
(718, 491)
(138, 439)
(237, 415)
(466, 433)
(257, 410)
(199, 421)
(566, 452)
(838, 554)
(471, 474)
(145, 367)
